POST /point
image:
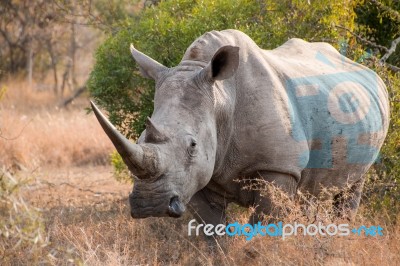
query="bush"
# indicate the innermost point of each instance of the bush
(165, 31)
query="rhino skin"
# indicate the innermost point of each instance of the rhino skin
(302, 117)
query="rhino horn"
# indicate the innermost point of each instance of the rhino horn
(149, 67)
(141, 161)
(154, 134)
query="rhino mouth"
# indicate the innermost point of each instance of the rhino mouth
(162, 208)
(176, 207)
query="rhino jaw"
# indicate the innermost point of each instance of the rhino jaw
(158, 204)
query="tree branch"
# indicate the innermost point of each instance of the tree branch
(390, 51)
(392, 67)
(363, 39)
(17, 136)
(54, 185)
(74, 96)
(87, 17)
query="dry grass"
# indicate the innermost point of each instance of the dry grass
(83, 224)
(105, 235)
(35, 132)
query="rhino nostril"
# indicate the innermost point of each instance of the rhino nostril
(176, 207)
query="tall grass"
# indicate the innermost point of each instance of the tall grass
(35, 132)
(106, 235)
(21, 229)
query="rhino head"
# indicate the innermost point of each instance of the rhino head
(175, 156)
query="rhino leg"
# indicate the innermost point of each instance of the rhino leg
(264, 204)
(346, 203)
(206, 208)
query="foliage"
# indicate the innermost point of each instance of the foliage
(121, 172)
(165, 31)
(379, 21)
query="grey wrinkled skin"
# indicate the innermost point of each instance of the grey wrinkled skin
(223, 115)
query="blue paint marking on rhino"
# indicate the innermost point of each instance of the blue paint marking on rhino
(325, 107)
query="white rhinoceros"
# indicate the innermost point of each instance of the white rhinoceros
(301, 116)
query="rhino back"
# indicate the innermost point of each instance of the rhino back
(299, 106)
(338, 106)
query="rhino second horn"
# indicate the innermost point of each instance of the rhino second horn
(153, 134)
(132, 154)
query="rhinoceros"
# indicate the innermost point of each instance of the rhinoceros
(301, 117)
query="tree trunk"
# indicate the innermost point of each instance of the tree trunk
(30, 63)
(72, 55)
(74, 96)
(53, 66)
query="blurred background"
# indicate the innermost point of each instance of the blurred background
(63, 189)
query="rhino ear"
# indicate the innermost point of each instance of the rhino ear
(223, 64)
(149, 68)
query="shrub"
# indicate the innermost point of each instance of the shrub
(165, 31)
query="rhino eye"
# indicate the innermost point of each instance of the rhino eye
(192, 148)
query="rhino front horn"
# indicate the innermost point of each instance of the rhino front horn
(135, 156)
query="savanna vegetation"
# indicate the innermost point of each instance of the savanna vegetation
(59, 202)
